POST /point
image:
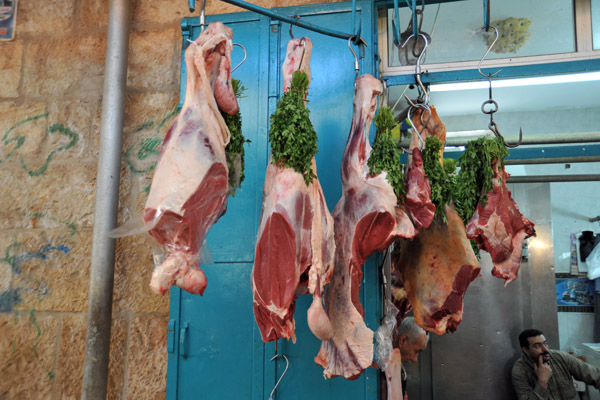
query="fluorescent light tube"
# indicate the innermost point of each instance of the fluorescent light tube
(498, 83)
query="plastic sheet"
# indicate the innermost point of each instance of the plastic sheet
(593, 263)
(384, 336)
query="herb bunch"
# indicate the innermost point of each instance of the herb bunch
(292, 136)
(474, 180)
(385, 155)
(235, 148)
(440, 179)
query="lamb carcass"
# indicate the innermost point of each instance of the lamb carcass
(499, 228)
(295, 246)
(189, 189)
(367, 218)
(439, 264)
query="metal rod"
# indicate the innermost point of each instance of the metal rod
(289, 20)
(553, 178)
(556, 160)
(550, 138)
(97, 343)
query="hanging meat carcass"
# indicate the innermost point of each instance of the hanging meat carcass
(189, 189)
(438, 265)
(367, 218)
(295, 246)
(499, 228)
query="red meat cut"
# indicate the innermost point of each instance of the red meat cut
(295, 246)
(418, 192)
(499, 228)
(189, 188)
(437, 267)
(367, 218)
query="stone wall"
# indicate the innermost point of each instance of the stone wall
(51, 78)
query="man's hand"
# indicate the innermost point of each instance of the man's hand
(543, 372)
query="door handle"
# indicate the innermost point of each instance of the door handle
(183, 341)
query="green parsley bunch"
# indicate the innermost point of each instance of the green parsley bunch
(292, 136)
(385, 155)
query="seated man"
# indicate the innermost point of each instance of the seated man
(542, 373)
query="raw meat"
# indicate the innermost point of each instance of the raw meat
(399, 295)
(393, 376)
(499, 228)
(366, 219)
(438, 266)
(189, 189)
(418, 193)
(295, 247)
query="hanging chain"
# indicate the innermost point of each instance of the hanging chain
(492, 109)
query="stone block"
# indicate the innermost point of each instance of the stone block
(68, 135)
(117, 358)
(93, 15)
(22, 131)
(41, 17)
(71, 352)
(147, 358)
(218, 7)
(151, 59)
(61, 196)
(10, 68)
(27, 353)
(162, 11)
(71, 66)
(50, 269)
(69, 364)
(133, 270)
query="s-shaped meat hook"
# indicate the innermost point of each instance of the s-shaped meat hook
(492, 125)
(287, 364)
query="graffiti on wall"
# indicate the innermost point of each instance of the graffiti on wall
(141, 158)
(11, 138)
(15, 258)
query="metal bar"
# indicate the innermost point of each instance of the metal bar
(396, 24)
(486, 14)
(553, 178)
(289, 20)
(550, 138)
(97, 344)
(414, 20)
(557, 160)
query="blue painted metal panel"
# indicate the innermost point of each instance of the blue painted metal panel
(220, 346)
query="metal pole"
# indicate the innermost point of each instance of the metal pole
(546, 138)
(97, 344)
(553, 178)
(556, 160)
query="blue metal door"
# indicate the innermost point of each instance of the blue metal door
(215, 348)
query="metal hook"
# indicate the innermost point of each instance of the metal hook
(243, 48)
(487, 52)
(418, 68)
(287, 364)
(203, 17)
(297, 18)
(494, 128)
(356, 63)
(302, 41)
